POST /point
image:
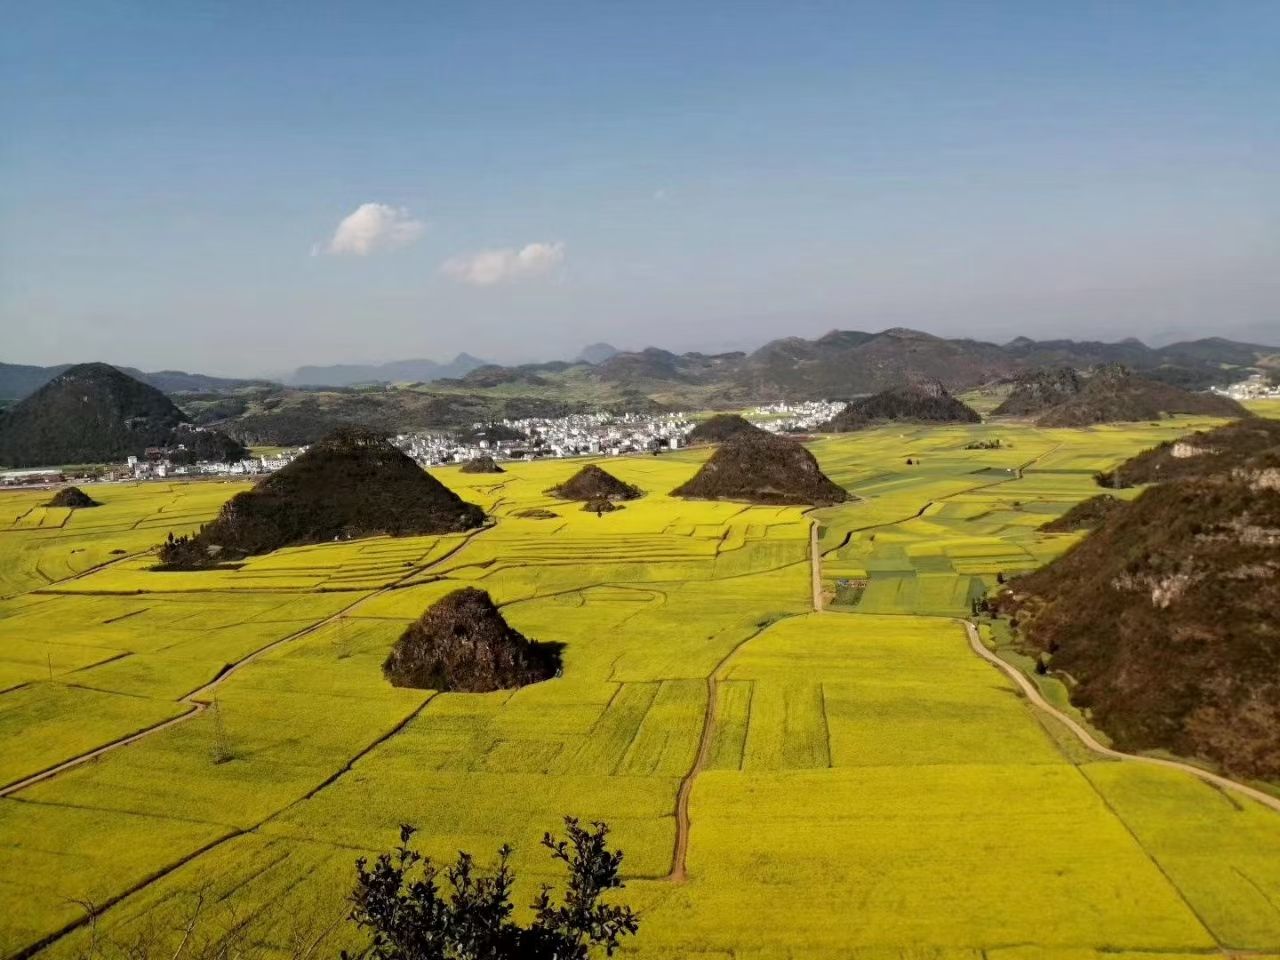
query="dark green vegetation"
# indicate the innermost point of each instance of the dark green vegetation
(72, 497)
(462, 643)
(352, 484)
(402, 902)
(94, 413)
(1166, 619)
(1040, 390)
(594, 483)
(1085, 515)
(720, 428)
(760, 467)
(923, 402)
(482, 465)
(1113, 394)
(1204, 453)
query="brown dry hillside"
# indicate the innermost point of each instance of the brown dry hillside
(1085, 515)
(1203, 453)
(762, 468)
(1166, 619)
(1114, 395)
(352, 484)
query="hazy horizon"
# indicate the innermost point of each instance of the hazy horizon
(246, 190)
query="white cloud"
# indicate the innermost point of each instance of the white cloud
(487, 267)
(373, 227)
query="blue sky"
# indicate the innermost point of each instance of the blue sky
(245, 187)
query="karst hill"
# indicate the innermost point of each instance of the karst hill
(1164, 619)
(594, 483)
(1040, 390)
(721, 427)
(1113, 394)
(353, 484)
(94, 413)
(72, 497)
(760, 467)
(481, 464)
(926, 401)
(462, 643)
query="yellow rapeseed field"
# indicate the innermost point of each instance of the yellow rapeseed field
(861, 785)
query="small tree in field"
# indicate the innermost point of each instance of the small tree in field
(412, 916)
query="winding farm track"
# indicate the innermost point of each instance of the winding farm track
(679, 855)
(199, 700)
(1033, 694)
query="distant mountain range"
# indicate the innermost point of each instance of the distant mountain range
(840, 365)
(397, 371)
(17, 380)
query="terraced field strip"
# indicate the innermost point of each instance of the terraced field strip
(1088, 739)
(679, 872)
(195, 698)
(815, 566)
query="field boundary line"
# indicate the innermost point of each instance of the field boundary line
(815, 566)
(50, 772)
(1032, 693)
(679, 854)
(193, 699)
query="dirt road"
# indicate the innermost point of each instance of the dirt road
(1033, 694)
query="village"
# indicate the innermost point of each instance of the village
(596, 434)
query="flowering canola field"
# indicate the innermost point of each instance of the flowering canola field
(784, 783)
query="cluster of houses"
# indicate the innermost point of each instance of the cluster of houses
(797, 417)
(154, 468)
(1256, 387)
(589, 434)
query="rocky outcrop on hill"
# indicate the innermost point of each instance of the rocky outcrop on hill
(593, 483)
(1204, 453)
(481, 464)
(760, 467)
(72, 497)
(1113, 394)
(720, 428)
(462, 643)
(352, 484)
(1040, 390)
(922, 402)
(1163, 621)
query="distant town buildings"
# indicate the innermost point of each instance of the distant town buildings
(797, 417)
(1256, 387)
(580, 435)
